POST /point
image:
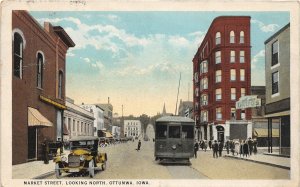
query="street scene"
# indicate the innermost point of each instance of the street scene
(151, 95)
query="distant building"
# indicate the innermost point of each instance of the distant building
(38, 85)
(186, 109)
(277, 74)
(98, 114)
(221, 75)
(132, 128)
(108, 114)
(79, 122)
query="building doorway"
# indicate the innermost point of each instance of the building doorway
(32, 143)
(220, 133)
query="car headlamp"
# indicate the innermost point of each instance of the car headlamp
(81, 158)
(64, 159)
(174, 147)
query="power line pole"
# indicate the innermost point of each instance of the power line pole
(177, 93)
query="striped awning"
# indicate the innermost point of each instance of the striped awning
(264, 133)
(36, 119)
(108, 135)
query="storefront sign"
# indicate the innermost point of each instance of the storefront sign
(249, 101)
(58, 105)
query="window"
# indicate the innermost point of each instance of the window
(73, 125)
(218, 76)
(233, 94)
(275, 53)
(187, 132)
(203, 67)
(60, 82)
(232, 56)
(69, 124)
(40, 67)
(218, 94)
(275, 80)
(218, 113)
(232, 75)
(218, 57)
(174, 131)
(243, 92)
(18, 55)
(196, 77)
(243, 114)
(218, 38)
(232, 37)
(204, 99)
(77, 126)
(233, 113)
(197, 92)
(242, 37)
(242, 56)
(204, 115)
(205, 83)
(242, 74)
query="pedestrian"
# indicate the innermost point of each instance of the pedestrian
(254, 146)
(227, 146)
(196, 148)
(220, 147)
(215, 149)
(139, 145)
(237, 147)
(209, 144)
(246, 149)
(250, 143)
(46, 151)
(231, 143)
(205, 145)
(241, 148)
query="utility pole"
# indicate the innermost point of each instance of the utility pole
(177, 94)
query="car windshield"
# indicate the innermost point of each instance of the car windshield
(81, 144)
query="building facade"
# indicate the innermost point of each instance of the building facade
(277, 75)
(132, 128)
(79, 122)
(185, 109)
(98, 113)
(222, 74)
(38, 85)
(108, 115)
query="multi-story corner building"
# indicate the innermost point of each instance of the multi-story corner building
(222, 74)
(186, 109)
(98, 113)
(79, 122)
(38, 85)
(132, 128)
(277, 69)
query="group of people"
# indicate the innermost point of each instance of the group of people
(240, 147)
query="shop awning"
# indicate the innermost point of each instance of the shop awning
(262, 133)
(278, 114)
(36, 119)
(108, 135)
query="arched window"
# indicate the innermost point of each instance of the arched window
(40, 67)
(218, 38)
(218, 57)
(18, 55)
(232, 37)
(242, 37)
(60, 85)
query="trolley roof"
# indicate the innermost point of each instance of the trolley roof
(174, 119)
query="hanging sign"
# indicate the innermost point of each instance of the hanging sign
(249, 101)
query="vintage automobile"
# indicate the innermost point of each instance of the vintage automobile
(83, 157)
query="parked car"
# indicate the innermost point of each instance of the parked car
(83, 157)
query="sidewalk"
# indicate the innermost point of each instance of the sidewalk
(33, 170)
(272, 160)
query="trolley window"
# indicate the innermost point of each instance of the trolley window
(161, 131)
(174, 131)
(187, 132)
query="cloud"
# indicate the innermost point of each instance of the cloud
(257, 58)
(265, 28)
(178, 41)
(70, 54)
(87, 60)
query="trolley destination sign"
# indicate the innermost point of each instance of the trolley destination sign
(249, 101)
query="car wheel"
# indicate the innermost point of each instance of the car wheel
(91, 169)
(103, 166)
(57, 171)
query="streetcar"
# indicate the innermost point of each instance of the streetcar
(174, 139)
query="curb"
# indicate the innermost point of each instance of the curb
(260, 162)
(42, 176)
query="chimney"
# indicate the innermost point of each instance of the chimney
(108, 100)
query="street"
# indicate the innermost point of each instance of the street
(124, 162)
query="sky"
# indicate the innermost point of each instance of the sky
(136, 58)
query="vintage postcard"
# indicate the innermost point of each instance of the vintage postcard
(149, 93)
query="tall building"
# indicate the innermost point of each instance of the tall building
(98, 113)
(277, 74)
(222, 74)
(79, 122)
(38, 85)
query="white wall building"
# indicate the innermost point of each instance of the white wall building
(132, 128)
(98, 113)
(78, 121)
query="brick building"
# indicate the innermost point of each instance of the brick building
(38, 85)
(222, 74)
